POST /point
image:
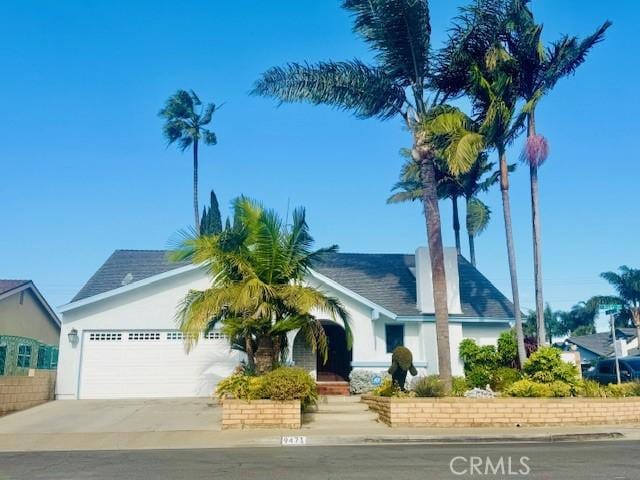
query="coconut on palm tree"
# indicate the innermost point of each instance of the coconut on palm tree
(258, 291)
(397, 84)
(185, 121)
(538, 71)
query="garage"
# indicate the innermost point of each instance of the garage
(152, 364)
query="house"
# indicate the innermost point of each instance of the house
(29, 329)
(123, 341)
(600, 345)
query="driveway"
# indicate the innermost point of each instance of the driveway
(115, 416)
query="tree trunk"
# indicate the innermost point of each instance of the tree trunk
(456, 223)
(264, 355)
(511, 253)
(248, 348)
(424, 156)
(537, 238)
(196, 209)
(472, 241)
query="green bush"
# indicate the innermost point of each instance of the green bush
(503, 378)
(479, 376)
(289, 383)
(284, 383)
(429, 386)
(459, 386)
(508, 348)
(546, 366)
(561, 389)
(631, 389)
(591, 388)
(403, 357)
(240, 386)
(529, 388)
(388, 389)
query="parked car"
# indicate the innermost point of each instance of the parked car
(605, 370)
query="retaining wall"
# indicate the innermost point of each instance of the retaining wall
(20, 392)
(261, 414)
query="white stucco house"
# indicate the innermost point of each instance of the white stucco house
(119, 337)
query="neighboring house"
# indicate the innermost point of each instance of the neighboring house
(29, 329)
(123, 340)
(600, 345)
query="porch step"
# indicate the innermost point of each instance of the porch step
(340, 399)
(333, 388)
(335, 411)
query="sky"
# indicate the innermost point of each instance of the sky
(85, 169)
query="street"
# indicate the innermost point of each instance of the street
(549, 461)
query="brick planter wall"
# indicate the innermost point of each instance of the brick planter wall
(20, 392)
(503, 412)
(261, 414)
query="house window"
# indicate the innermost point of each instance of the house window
(3, 357)
(44, 357)
(54, 357)
(394, 335)
(24, 356)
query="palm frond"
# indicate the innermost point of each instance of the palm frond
(366, 91)
(478, 216)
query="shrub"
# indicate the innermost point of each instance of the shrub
(529, 388)
(479, 377)
(388, 389)
(546, 366)
(289, 383)
(429, 386)
(361, 381)
(631, 389)
(459, 386)
(403, 357)
(508, 349)
(591, 388)
(240, 386)
(561, 389)
(503, 378)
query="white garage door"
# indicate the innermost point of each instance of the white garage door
(151, 364)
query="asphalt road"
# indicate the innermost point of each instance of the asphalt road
(614, 460)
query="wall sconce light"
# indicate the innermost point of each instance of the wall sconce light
(73, 336)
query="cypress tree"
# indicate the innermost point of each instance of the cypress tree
(211, 223)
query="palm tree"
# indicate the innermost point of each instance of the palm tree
(538, 71)
(475, 62)
(627, 285)
(398, 31)
(257, 294)
(555, 323)
(185, 118)
(467, 185)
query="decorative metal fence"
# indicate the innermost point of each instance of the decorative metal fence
(19, 354)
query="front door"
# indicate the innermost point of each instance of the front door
(338, 364)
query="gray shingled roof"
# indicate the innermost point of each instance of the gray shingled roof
(8, 285)
(601, 343)
(384, 279)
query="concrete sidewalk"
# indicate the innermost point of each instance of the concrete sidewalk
(145, 440)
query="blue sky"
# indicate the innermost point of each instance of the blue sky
(85, 169)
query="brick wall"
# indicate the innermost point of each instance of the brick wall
(503, 412)
(20, 392)
(261, 414)
(303, 356)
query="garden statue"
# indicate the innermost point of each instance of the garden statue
(401, 363)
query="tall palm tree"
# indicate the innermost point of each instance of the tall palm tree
(627, 285)
(538, 71)
(185, 120)
(475, 62)
(258, 291)
(478, 217)
(397, 85)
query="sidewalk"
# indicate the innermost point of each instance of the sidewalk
(378, 434)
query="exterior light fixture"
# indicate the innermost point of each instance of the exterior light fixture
(73, 336)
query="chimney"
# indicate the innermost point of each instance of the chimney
(424, 282)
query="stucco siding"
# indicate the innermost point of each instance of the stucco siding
(27, 318)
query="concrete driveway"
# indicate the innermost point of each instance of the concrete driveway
(115, 416)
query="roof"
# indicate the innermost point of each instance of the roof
(8, 285)
(384, 279)
(601, 343)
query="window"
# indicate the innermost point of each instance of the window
(54, 357)
(3, 357)
(105, 336)
(44, 357)
(394, 335)
(606, 368)
(24, 356)
(144, 335)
